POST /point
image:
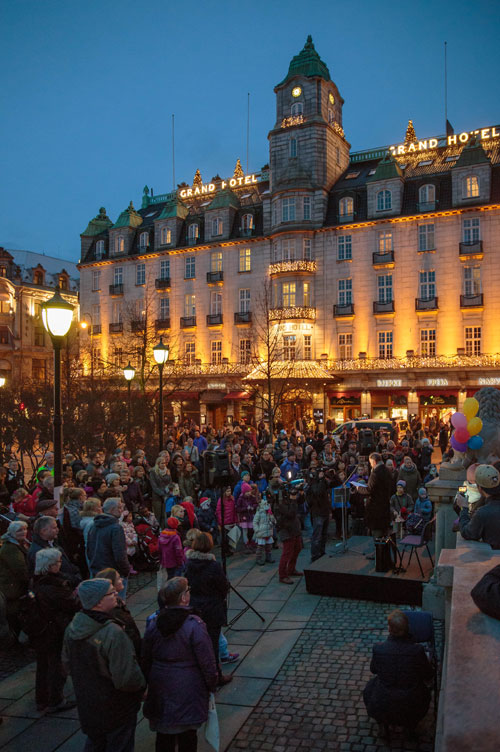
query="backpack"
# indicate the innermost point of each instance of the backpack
(415, 524)
(31, 616)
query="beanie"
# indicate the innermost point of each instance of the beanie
(401, 483)
(422, 492)
(173, 523)
(91, 592)
(110, 477)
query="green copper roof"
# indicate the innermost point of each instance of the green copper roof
(224, 199)
(174, 208)
(128, 218)
(472, 154)
(307, 63)
(99, 224)
(386, 168)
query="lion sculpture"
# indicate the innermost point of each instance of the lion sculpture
(489, 412)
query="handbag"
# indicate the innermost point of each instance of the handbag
(212, 724)
(234, 536)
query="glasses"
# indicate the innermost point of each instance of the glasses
(111, 592)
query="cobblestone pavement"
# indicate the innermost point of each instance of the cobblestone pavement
(315, 701)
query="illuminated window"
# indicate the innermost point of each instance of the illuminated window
(345, 346)
(426, 240)
(307, 207)
(216, 352)
(472, 280)
(215, 303)
(217, 226)
(385, 241)
(384, 285)
(297, 109)
(293, 147)
(118, 357)
(344, 292)
(288, 210)
(427, 284)
(288, 294)
(96, 314)
(193, 233)
(471, 186)
(190, 267)
(117, 312)
(216, 261)
(306, 294)
(99, 249)
(96, 280)
(427, 342)
(307, 347)
(164, 308)
(346, 207)
(39, 340)
(287, 250)
(189, 305)
(118, 275)
(473, 340)
(289, 344)
(245, 260)
(471, 230)
(306, 249)
(189, 353)
(245, 351)
(165, 269)
(120, 244)
(344, 247)
(166, 235)
(140, 274)
(351, 175)
(39, 278)
(385, 344)
(384, 200)
(38, 369)
(244, 300)
(139, 310)
(247, 222)
(143, 240)
(427, 194)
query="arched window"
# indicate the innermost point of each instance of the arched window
(427, 194)
(120, 244)
(247, 222)
(471, 186)
(99, 249)
(166, 235)
(297, 109)
(217, 226)
(384, 200)
(193, 232)
(346, 207)
(143, 240)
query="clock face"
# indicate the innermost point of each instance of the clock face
(331, 98)
(296, 91)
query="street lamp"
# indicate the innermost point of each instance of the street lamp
(129, 373)
(57, 315)
(160, 352)
(2, 381)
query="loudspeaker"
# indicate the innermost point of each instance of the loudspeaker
(216, 468)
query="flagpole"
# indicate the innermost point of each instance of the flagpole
(445, 88)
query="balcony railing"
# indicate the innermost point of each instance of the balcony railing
(243, 317)
(346, 309)
(382, 259)
(292, 312)
(299, 266)
(161, 324)
(246, 232)
(426, 304)
(426, 363)
(471, 248)
(214, 319)
(137, 325)
(188, 321)
(213, 277)
(116, 289)
(345, 218)
(96, 329)
(116, 328)
(471, 301)
(162, 283)
(385, 307)
(425, 206)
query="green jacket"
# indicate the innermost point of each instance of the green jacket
(14, 578)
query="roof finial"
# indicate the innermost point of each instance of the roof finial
(197, 180)
(410, 136)
(238, 170)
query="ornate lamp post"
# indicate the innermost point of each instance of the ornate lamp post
(57, 315)
(2, 381)
(160, 352)
(129, 373)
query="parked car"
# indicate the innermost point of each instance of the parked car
(362, 423)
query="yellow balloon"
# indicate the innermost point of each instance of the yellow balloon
(470, 407)
(474, 426)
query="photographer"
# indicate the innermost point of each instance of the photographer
(289, 533)
(318, 500)
(485, 524)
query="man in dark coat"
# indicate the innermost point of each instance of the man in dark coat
(318, 500)
(379, 489)
(397, 695)
(45, 532)
(290, 535)
(106, 545)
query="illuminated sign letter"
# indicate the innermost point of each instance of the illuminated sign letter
(254, 179)
(412, 147)
(433, 142)
(463, 137)
(223, 185)
(485, 133)
(183, 193)
(494, 133)
(452, 140)
(422, 145)
(401, 149)
(233, 182)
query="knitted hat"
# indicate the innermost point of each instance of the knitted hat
(245, 472)
(110, 477)
(173, 523)
(91, 592)
(422, 492)
(401, 483)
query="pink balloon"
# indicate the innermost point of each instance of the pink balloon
(457, 445)
(462, 435)
(459, 420)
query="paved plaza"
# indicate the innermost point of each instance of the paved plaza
(297, 685)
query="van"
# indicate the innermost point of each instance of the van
(372, 423)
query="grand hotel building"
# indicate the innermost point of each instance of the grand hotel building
(383, 266)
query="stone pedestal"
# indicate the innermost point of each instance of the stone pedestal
(442, 491)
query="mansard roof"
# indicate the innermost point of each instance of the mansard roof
(472, 154)
(307, 63)
(99, 224)
(128, 218)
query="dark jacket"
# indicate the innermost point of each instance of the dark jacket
(209, 587)
(287, 520)
(484, 525)
(318, 497)
(132, 497)
(14, 576)
(58, 605)
(397, 694)
(107, 680)
(179, 664)
(69, 570)
(378, 511)
(122, 616)
(106, 546)
(486, 594)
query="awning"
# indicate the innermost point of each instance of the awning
(231, 396)
(287, 370)
(180, 396)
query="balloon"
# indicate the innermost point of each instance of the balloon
(470, 407)
(458, 420)
(474, 426)
(461, 435)
(475, 442)
(457, 445)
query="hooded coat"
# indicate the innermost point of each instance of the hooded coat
(106, 545)
(412, 479)
(209, 587)
(171, 551)
(263, 521)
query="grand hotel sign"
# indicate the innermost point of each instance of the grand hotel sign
(207, 188)
(457, 139)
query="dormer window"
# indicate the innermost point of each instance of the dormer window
(427, 194)
(166, 236)
(346, 206)
(38, 278)
(471, 187)
(384, 200)
(99, 249)
(143, 240)
(297, 109)
(217, 226)
(193, 233)
(120, 244)
(247, 222)
(62, 282)
(3, 271)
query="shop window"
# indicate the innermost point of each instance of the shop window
(427, 342)
(345, 346)
(385, 340)
(344, 247)
(245, 351)
(384, 200)
(473, 340)
(344, 292)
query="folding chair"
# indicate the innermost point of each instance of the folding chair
(418, 541)
(421, 626)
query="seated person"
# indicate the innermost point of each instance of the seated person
(486, 594)
(485, 523)
(398, 695)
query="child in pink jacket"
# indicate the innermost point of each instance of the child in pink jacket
(171, 552)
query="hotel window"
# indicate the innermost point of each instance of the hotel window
(344, 247)
(297, 109)
(427, 342)
(385, 344)
(189, 353)
(139, 310)
(426, 237)
(164, 308)
(140, 274)
(288, 294)
(96, 314)
(427, 194)
(96, 280)
(99, 249)
(427, 284)
(245, 351)
(385, 241)
(293, 147)
(6, 306)
(189, 267)
(117, 312)
(472, 280)
(345, 346)
(306, 294)
(346, 206)
(118, 275)
(471, 186)
(216, 352)
(345, 292)
(39, 278)
(216, 261)
(384, 284)
(118, 356)
(166, 236)
(120, 244)
(245, 260)
(307, 207)
(471, 230)
(287, 250)
(288, 210)
(384, 200)
(193, 232)
(38, 369)
(473, 340)
(96, 357)
(143, 240)
(247, 222)
(189, 305)
(244, 300)
(215, 303)
(217, 226)
(39, 338)
(165, 269)
(307, 346)
(289, 343)
(3, 271)
(306, 249)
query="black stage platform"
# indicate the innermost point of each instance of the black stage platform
(352, 575)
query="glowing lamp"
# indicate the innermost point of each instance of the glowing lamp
(2, 381)
(160, 352)
(129, 372)
(57, 315)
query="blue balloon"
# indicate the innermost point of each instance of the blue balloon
(475, 442)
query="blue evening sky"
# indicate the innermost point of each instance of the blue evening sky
(89, 88)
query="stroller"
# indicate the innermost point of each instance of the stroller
(147, 557)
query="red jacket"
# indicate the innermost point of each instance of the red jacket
(229, 511)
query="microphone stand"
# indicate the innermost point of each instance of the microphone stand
(344, 546)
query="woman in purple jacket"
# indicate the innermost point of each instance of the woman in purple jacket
(179, 664)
